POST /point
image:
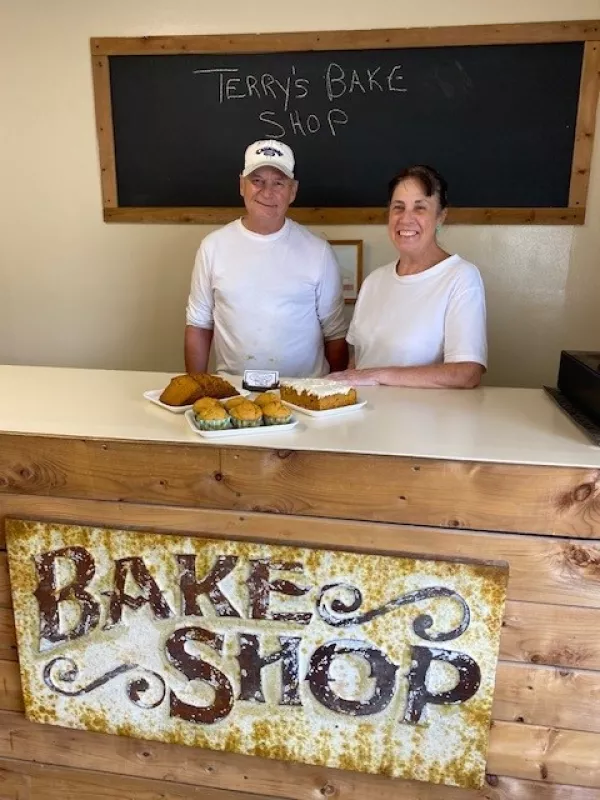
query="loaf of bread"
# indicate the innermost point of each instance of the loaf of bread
(213, 386)
(184, 390)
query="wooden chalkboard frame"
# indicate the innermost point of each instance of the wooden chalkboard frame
(587, 31)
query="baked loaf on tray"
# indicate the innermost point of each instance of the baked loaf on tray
(317, 394)
(184, 390)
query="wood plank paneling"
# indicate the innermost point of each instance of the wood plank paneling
(11, 696)
(520, 751)
(14, 785)
(5, 598)
(499, 788)
(51, 783)
(497, 497)
(547, 696)
(557, 756)
(548, 634)
(542, 569)
(48, 783)
(8, 642)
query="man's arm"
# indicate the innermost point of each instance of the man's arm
(330, 311)
(336, 353)
(199, 315)
(197, 344)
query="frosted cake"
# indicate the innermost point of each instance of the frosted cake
(317, 394)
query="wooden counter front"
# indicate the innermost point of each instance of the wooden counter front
(543, 519)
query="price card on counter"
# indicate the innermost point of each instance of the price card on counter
(260, 380)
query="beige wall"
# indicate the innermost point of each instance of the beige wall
(77, 292)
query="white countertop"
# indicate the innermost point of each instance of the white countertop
(521, 426)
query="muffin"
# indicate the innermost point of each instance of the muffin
(212, 418)
(203, 403)
(246, 415)
(264, 399)
(276, 414)
(233, 402)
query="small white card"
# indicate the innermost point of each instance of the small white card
(259, 380)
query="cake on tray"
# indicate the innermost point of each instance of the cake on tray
(317, 394)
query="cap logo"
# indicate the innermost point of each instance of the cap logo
(269, 151)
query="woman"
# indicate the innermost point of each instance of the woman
(419, 321)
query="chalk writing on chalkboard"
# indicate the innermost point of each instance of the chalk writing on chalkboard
(284, 92)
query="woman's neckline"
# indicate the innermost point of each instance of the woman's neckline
(424, 273)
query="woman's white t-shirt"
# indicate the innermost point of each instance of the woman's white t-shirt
(436, 316)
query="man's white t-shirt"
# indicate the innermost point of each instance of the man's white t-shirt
(436, 316)
(272, 300)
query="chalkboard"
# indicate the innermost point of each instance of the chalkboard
(500, 121)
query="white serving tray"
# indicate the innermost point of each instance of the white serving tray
(233, 433)
(154, 397)
(328, 412)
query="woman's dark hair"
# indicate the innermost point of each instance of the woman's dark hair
(430, 179)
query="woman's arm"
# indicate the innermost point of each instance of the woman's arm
(458, 375)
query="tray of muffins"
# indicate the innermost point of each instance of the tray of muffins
(239, 416)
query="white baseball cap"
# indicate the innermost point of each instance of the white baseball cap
(269, 153)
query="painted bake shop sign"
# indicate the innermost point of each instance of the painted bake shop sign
(357, 661)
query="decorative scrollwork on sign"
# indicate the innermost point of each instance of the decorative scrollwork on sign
(64, 670)
(136, 689)
(334, 610)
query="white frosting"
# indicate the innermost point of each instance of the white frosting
(320, 387)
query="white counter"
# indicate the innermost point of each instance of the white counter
(521, 426)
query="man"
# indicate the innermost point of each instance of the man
(265, 289)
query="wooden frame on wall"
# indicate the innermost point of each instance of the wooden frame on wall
(587, 31)
(349, 255)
